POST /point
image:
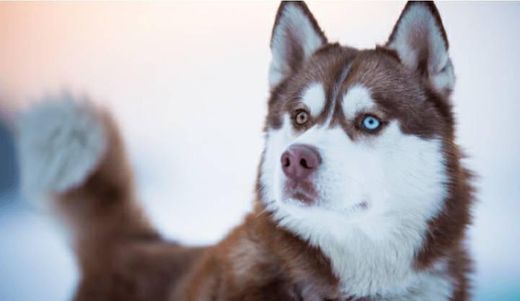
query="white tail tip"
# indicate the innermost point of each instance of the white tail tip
(60, 143)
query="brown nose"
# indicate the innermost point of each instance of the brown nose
(300, 161)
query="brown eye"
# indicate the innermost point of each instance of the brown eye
(301, 117)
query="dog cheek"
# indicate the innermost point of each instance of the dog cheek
(270, 169)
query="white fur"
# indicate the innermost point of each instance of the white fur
(60, 143)
(314, 98)
(293, 27)
(444, 81)
(357, 99)
(376, 195)
(419, 32)
(435, 284)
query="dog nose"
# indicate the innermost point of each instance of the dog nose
(300, 161)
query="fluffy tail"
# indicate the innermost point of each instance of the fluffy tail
(61, 142)
(71, 151)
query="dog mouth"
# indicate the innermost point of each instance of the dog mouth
(301, 191)
(304, 193)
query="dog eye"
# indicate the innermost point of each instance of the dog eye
(301, 117)
(370, 123)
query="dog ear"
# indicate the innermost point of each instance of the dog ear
(296, 36)
(422, 45)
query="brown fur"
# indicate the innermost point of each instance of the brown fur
(119, 254)
(123, 258)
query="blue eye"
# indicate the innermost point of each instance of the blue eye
(370, 123)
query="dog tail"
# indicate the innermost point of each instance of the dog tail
(72, 155)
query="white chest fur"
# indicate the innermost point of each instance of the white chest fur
(369, 261)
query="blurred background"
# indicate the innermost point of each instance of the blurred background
(188, 84)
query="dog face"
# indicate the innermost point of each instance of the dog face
(356, 140)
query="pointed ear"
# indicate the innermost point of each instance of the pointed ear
(422, 45)
(296, 36)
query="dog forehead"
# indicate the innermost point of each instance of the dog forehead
(314, 97)
(372, 68)
(357, 98)
(379, 83)
(337, 69)
(323, 67)
(342, 82)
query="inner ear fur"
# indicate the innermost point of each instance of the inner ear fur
(421, 43)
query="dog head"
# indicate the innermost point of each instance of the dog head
(358, 140)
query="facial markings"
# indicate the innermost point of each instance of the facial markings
(314, 98)
(358, 99)
(335, 92)
(396, 174)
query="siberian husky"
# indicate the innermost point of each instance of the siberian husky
(361, 194)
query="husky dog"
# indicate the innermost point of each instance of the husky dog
(361, 194)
